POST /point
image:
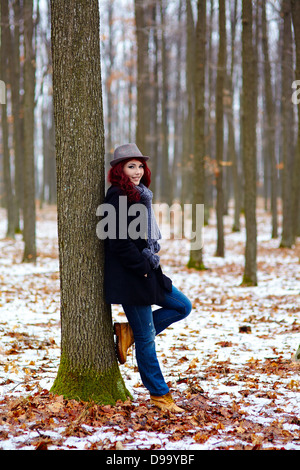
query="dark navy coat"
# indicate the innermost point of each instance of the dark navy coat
(125, 266)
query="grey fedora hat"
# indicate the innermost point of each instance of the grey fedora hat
(127, 151)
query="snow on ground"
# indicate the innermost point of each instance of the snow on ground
(236, 346)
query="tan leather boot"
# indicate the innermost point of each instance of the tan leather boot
(166, 403)
(124, 340)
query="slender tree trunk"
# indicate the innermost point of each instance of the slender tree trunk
(220, 128)
(233, 158)
(18, 111)
(109, 94)
(210, 132)
(270, 111)
(287, 236)
(186, 163)
(196, 256)
(48, 185)
(14, 80)
(88, 367)
(9, 194)
(296, 167)
(130, 96)
(165, 175)
(29, 214)
(142, 14)
(155, 103)
(249, 143)
(176, 170)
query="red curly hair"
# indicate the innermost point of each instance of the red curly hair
(117, 177)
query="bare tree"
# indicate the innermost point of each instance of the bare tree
(187, 137)
(9, 192)
(220, 127)
(196, 256)
(29, 212)
(287, 119)
(15, 70)
(249, 143)
(165, 185)
(270, 112)
(229, 110)
(296, 168)
(142, 17)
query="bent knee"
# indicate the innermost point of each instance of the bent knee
(189, 307)
(186, 308)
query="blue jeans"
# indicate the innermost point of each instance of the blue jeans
(146, 324)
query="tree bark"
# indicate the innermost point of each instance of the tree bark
(232, 153)
(187, 153)
(14, 81)
(88, 367)
(287, 236)
(9, 194)
(296, 167)
(178, 129)
(18, 110)
(210, 126)
(220, 128)
(249, 143)
(108, 85)
(155, 134)
(270, 111)
(165, 185)
(142, 15)
(196, 256)
(29, 214)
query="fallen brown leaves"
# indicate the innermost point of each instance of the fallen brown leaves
(227, 426)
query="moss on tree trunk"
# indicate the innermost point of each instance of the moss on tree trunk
(90, 385)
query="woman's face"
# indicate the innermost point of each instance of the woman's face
(134, 169)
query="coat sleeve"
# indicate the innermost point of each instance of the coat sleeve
(125, 249)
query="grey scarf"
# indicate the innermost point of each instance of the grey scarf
(153, 230)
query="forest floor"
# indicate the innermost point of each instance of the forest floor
(229, 364)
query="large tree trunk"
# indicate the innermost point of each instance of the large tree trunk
(29, 180)
(249, 143)
(88, 367)
(196, 255)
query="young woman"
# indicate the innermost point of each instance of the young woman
(133, 275)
